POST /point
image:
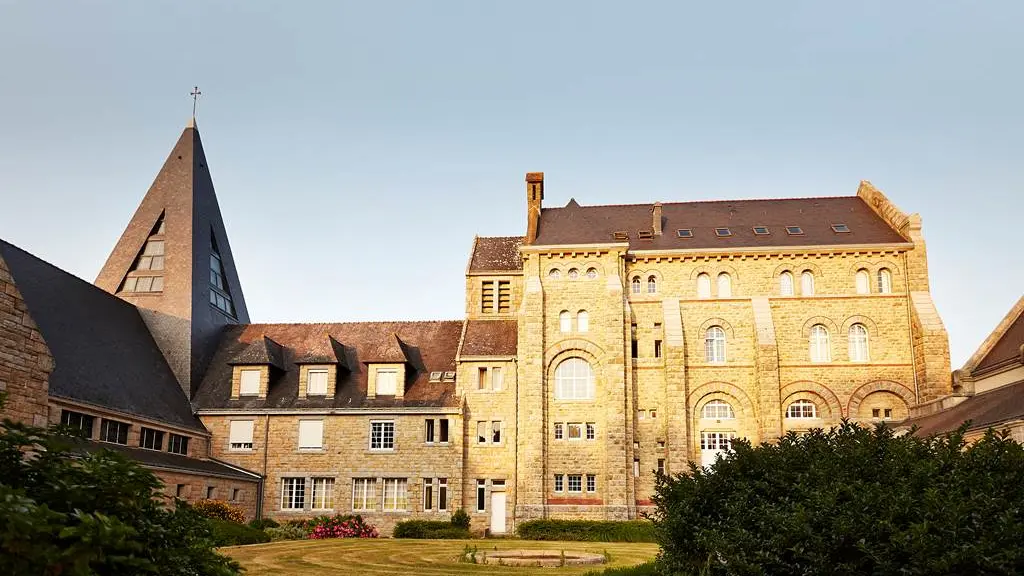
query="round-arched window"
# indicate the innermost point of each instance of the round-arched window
(591, 273)
(863, 282)
(786, 284)
(574, 380)
(564, 322)
(582, 321)
(724, 285)
(807, 283)
(858, 343)
(802, 409)
(554, 274)
(636, 284)
(703, 285)
(717, 410)
(714, 344)
(652, 285)
(573, 273)
(821, 349)
(884, 281)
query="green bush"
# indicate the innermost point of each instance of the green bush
(460, 519)
(340, 526)
(645, 569)
(219, 510)
(287, 532)
(228, 533)
(263, 523)
(588, 530)
(435, 529)
(850, 501)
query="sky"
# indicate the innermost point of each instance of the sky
(358, 147)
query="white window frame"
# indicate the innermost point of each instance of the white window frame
(807, 283)
(497, 379)
(564, 322)
(392, 377)
(383, 435)
(652, 284)
(714, 410)
(635, 284)
(786, 283)
(715, 345)
(293, 491)
(859, 344)
(429, 431)
(317, 374)
(591, 483)
(428, 495)
(724, 285)
(884, 281)
(559, 431)
(703, 285)
(364, 494)
(591, 431)
(820, 344)
(578, 427)
(559, 483)
(802, 409)
(574, 380)
(398, 491)
(500, 430)
(862, 280)
(582, 321)
(246, 385)
(442, 494)
(481, 495)
(237, 441)
(310, 432)
(322, 493)
(571, 478)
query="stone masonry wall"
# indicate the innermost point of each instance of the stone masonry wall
(25, 360)
(195, 487)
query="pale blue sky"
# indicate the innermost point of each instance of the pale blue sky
(358, 147)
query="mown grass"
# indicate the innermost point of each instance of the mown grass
(422, 557)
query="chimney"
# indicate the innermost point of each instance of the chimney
(656, 212)
(534, 198)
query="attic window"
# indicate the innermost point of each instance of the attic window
(723, 232)
(840, 228)
(794, 230)
(620, 235)
(449, 376)
(761, 230)
(644, 234)
(435, 376)
(684, 233)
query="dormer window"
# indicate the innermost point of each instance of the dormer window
(316, 382)
(435, 376)
(249, 382)
(620, 235)
(387, 381)
(645, 234)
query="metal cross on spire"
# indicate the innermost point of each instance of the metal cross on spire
(195, 93)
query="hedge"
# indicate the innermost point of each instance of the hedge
(645, 569)
(219, 510)
(227, 533)
(433, 529)
(588, 530)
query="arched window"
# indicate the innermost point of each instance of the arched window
(863, 282)
(718, 410)
(582, 321)
(714, 344)
(807, 283)
(574, 380)
(703, 285)
(554, 274)
(884, 281)
(821, 350)
(802, 409)
(591, 273)
(573, 273)
(859, 343)
(786, 284)
(652, 285)
(636, 284)
(564, 322)
(724, 285)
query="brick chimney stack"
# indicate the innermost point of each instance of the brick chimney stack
(656, 213)
(534, 199)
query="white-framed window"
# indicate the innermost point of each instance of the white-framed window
(249, 384)
(881, 413)
(652, 284)
(428, 431)
(591, 431)
(635, 284)
(428, 494)
(240, 435)
(316, 382)
(481, 495)
(151, 439)
(575, 430)
(442, 494)
(382, 435)
(559, 483)
(863, 282)
(807, 283)
(564, 322)
(293, 493)
(718, 410)
(559, 431)
(714, 344)
(575, 482)
(591, 273)
(716, 440)
(177, 444)
(554, 274)
(591, 483)
(364, 494)
(311, 434)
(481, 378)
(442, 432)
(396, 495)
(859, 351)
(821, 348)
(574, 273)
(481, 432)
(323, 493)
(703, 285)
(802, 409)
(387, 381)
(884, 281)
(724, 285)
(786, 283)
(496, 427)
(582, 321)
(574, 380)
(497, 376)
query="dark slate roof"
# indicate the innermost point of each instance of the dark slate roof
(490, 338)
(1007, 349)
(496, 254)
(261, 351)
(575, 224)
(428, 347)
(984, 410)
(172, 461)
(103, 352)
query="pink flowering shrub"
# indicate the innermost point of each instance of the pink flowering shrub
(340, 526)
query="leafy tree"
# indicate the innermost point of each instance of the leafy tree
(848, 501)
(70, 514)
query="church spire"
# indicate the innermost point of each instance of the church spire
(174, 263)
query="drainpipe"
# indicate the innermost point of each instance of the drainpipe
(266, 450)
(910, 328)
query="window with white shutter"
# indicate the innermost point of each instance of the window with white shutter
(311, 434)
(250, 383)
(240, 434)
(316, 383)
(387, 381)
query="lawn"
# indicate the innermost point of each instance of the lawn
(353, 557)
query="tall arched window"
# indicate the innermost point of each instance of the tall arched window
(859, 343)
(636, 284)
(802, 409)
(703, 285)
(717, 410)
(714, 344)
(724, 285)
(863, 282)
(574, 380)
(821, 350)
(652, 284)
(564, 322)
(807, 283)
(582, 321)
(786, 284)
(884, 281)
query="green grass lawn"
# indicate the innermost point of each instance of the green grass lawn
(355, 557)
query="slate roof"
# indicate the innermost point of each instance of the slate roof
(170, 461)
(984, 410)
(1007, 349)
(496, 254)
(323, 350)
(576, 224)
(490, 338)
(428, 347)
(261, 351)
(388, 349)
(103, 352)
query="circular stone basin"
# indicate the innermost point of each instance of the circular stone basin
(541, 558)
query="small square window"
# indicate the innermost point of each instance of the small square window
(723, 232)
(684, 233)
(840, 228)
(761, 230)
(794, 230)
(435, 376)
(210, 492)
(559, 431)
(661, 443)
(620, 235)
(654, 414)
(559, 479)
(449, 376)
(591, 483)
(645, 234)
(576, 431)
(591, 431)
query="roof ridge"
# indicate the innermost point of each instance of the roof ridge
(351, 322)
(501, 237)
(706, 202)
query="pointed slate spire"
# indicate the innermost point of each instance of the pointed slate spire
(174, 263)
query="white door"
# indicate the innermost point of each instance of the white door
(497, 512)
(712, 444)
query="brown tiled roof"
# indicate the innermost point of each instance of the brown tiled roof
(1007, 349)
(387, 349)
(496, 253)
(575, 224)
(324, 350)
(427, 346)
(490, 338)
(983, 410)
(260, 351)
